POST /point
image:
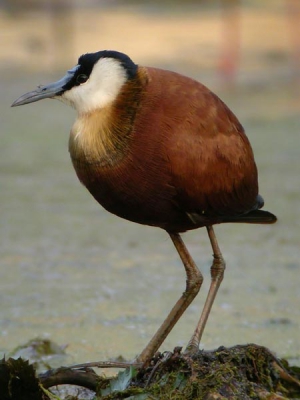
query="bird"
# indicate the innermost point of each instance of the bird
(158, 148)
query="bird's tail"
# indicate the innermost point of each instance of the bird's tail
(253, 217)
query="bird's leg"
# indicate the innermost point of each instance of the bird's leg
(217, 274)
(193, 284)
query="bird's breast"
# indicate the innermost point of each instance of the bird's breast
(125, 172)
(129, 188)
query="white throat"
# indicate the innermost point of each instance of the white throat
(100, 90)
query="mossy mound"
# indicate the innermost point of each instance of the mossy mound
(240, 372)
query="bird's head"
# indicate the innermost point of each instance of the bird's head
(93, 83)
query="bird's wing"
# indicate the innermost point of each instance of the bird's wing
(210, 158)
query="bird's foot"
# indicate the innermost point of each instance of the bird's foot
(122, 364)
(108, 364)
(152, 370)
(151, 366)
(170, 360)
(161, 359)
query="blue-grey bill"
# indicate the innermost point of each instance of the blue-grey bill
(47, 91)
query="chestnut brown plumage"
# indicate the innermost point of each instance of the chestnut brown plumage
(160, 149)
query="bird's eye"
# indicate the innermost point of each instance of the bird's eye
(81, 78)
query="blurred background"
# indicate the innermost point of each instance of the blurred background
(84, 278)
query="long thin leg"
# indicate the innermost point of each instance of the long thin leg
(217, 274)
(193, 283)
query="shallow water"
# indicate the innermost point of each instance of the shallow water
(80, 276)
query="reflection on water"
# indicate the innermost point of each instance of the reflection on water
(87, 279)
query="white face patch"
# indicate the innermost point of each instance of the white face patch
(101, 89)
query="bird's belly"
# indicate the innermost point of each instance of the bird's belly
(147, 196)
(144, 202)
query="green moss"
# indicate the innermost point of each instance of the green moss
(247, 372)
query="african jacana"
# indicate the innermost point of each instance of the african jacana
(160, 149)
